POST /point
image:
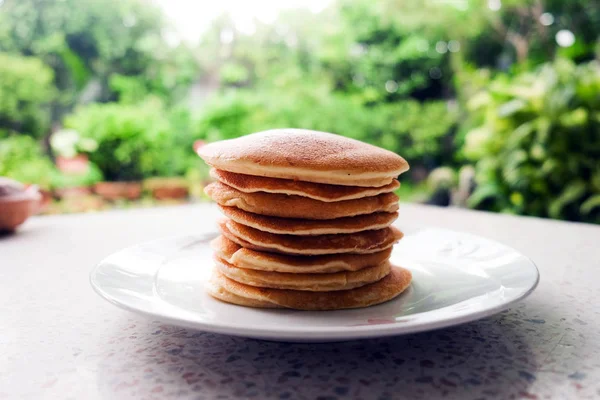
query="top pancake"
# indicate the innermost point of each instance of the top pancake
(306, 155)
(317, 191)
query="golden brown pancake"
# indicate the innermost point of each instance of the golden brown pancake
(310, 282)
(375, 293)
(317, 191)
(296, 226)
(305, 155)
(355, 243)
(281, 205)
(245, 258)
(215, 290)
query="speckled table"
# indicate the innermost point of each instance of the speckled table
(59, 340)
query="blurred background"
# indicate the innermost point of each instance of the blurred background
(495, 104)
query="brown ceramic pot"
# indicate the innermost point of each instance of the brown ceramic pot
(17, 203)
(167, 188)
(78, 191)
(119, 190)
(170, 193)
(73, 165)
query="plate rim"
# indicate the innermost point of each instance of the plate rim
(322, 333)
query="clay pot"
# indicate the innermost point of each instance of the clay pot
(73, 165)
(17, 203)
(46, 197)
(73, 192)
(167, 188)
(118, 190)
(170, 193)
(46, 200)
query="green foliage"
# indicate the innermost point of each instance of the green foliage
(21, 159)
(129, 89)
(387, 59)
(538, 143)
(353, 45)
(134, 141)
(405, 75)
(69, 143)
(350, 70)
(90, 177)
(25, 92)
(398, 126)
(87, 43)
(229, 115)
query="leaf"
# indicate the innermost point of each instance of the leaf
(475, 142)
(595, 180)
(549, 166)
(519, 135)
(570, 194)
(543, 129)
(590, 204)
(409, 48)
(482, 193)
(574, 118)
(478, 101)
(76, 66)
(511, 107)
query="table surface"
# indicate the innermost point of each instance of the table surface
(59, 340)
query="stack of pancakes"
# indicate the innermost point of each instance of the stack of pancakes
(308, 221)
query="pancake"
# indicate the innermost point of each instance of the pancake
(317, 191)
(309, 282)
(355, 243)
(306, 155)
(292, 226)
(375, 293)
(215, 290)
(281, 205)
(245, 258)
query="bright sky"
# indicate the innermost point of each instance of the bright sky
(192, 17)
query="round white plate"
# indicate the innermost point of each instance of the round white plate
(457, 278)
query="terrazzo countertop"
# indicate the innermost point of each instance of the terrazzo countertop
(59, 340)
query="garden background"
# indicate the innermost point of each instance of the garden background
(495, 104)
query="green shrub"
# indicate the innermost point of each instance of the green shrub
(230, 115)
(415, 130)
(90, 177)
(420, 132)
(21, 159)
(26, 88)
(134, 141)
(537, 146)
(68, 143)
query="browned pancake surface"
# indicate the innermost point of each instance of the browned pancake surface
(306, 155)
(310, 282)
(252, 259)
(317, 191)
(375, 293)
(217, 291)
(356, 243)
(281, 205)
(297, 226)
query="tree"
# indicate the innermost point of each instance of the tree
(25, 93)
(87, 44)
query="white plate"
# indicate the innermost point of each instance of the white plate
(457, 278)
